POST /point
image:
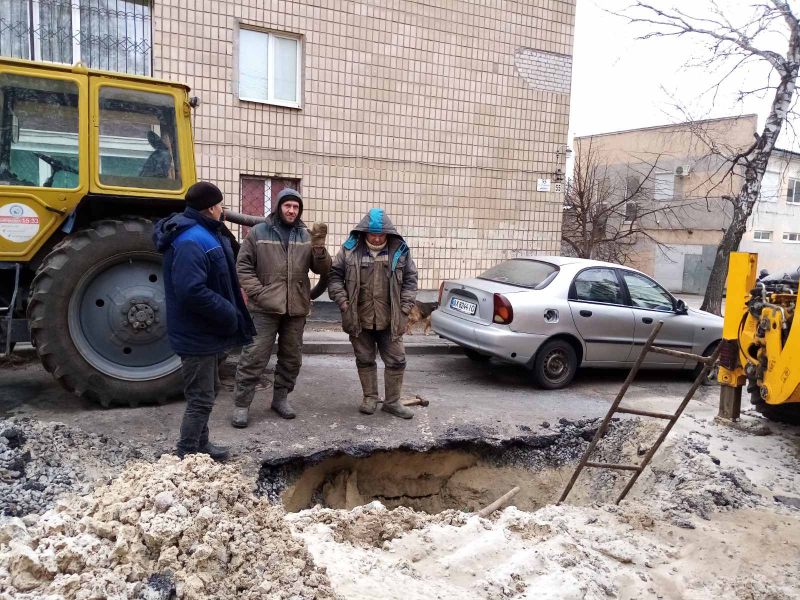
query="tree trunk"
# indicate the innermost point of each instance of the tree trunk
(756, 164)
(712, 302)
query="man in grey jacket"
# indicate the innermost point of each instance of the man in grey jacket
(273, 267)
(374, 281)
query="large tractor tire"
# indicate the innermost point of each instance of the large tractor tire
(782, 413)
(98, 315)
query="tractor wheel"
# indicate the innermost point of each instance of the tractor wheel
(782, 413)
(98, 315)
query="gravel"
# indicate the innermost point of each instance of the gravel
(39, 462)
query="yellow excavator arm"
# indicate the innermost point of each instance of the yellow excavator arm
(760, 349)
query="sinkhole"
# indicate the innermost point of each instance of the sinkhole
(462, 474)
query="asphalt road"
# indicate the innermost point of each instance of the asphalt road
(466, 400)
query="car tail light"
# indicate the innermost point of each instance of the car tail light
(441, 291)
(503, 312)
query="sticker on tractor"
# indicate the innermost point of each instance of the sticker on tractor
(18, 223)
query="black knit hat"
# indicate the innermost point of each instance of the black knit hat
(203, 195)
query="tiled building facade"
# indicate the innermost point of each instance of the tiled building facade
(443, 112)
(436, 111)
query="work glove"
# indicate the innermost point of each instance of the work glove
(319, 231)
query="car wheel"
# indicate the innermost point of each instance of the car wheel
(476, 356)
(713, 374)
(555, 365)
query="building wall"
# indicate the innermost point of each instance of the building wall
(774, 214)
(680, 244)
(445, 113)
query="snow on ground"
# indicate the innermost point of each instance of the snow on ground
(702, 522)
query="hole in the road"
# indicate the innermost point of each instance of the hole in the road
(99, 303)
(465, 474)
(153, 278)
(126, 350)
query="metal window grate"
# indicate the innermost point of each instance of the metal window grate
(113, 35)
(255, 199)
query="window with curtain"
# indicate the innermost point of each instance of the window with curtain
(112, 35)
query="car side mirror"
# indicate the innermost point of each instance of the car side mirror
(681, 308)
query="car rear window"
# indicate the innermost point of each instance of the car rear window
(531, 274)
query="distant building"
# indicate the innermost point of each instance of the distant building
(773, 230)
(681, 173)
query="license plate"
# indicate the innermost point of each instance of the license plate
(468, 308)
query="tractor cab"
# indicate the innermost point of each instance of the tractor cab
(87, 160)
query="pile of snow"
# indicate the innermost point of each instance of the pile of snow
(555, 553)
(194, 529)
(191, 527)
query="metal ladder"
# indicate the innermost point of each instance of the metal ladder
(708, 363)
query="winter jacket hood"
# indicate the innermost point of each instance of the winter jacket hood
(283, 196)
(377, 221)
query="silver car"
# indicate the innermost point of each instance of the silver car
(553, 314)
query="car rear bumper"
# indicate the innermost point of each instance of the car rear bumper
(493, 340)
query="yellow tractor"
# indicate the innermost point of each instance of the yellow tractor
(88, 160)
(760, 350)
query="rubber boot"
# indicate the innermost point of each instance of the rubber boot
(240, 416)
(369, 385)
(393, 378)
(216, 452)
(280, 403)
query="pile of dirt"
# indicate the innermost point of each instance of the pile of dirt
(40, 462)
(191, 529)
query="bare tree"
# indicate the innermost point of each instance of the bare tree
(730, 46)
(609, 207)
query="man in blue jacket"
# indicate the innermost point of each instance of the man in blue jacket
(206, 313)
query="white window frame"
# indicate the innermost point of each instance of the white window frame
(659, 191)
(788, 234)
(770, 177)
(792, 185)
(762, 239)
(271, 36)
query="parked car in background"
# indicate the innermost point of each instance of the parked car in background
(554, 314)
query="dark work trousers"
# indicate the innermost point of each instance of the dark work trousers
(392, 352)
(255, 356)
(200, 388)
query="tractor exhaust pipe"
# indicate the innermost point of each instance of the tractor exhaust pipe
(252, 221)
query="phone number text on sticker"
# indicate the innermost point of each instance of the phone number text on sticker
(18, 223)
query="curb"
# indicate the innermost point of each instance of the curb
(318, 348)
(315, 349)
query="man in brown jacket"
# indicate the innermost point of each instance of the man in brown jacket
(374, 282)
(273, 267)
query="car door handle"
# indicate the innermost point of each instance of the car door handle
(647, 320)
(586, 313)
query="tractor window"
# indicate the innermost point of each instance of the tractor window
(138, 140)
(38, 132)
